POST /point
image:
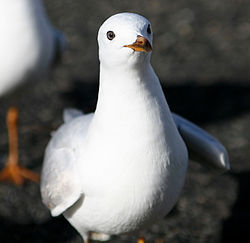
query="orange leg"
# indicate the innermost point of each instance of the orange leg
(141, 240)
(12, 171)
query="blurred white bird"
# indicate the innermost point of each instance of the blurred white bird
(29, 46)
(122, 168)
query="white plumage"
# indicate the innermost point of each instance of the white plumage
(28, 43)
(123, 167)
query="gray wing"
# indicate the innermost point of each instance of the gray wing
(202, 147)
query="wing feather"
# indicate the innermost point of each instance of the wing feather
(60, 184)
(202, 147)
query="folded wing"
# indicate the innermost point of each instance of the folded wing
(60, 185)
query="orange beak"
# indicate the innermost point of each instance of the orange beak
(141, 44)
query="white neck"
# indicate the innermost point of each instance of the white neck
(129, 94)
(120, 83)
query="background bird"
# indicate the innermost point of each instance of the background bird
(29, 47)
(122, 168)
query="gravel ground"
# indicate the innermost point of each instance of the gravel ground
(202, 56)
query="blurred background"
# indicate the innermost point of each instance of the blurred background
(202, 57)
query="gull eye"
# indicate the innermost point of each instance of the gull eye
(110, 35)
(149, 29)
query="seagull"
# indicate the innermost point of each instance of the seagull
(29, 47)
(122, 168)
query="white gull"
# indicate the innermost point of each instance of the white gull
(122, 168)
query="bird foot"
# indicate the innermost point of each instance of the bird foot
(99, 236)
(141, 240)
(16, 174)
(12, 171)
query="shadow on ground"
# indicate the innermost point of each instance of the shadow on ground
(201, 104)
(236, 227)
(54, 230)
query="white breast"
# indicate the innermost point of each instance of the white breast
(133, 163)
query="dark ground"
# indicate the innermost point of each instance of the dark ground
(202, 56)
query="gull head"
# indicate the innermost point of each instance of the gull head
(125, 39)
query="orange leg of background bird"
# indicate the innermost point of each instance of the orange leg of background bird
(141, 240)
(12, 171)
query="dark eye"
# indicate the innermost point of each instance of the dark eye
(110, 35)
(149, 29)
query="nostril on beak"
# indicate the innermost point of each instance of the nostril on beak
(141, 40)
